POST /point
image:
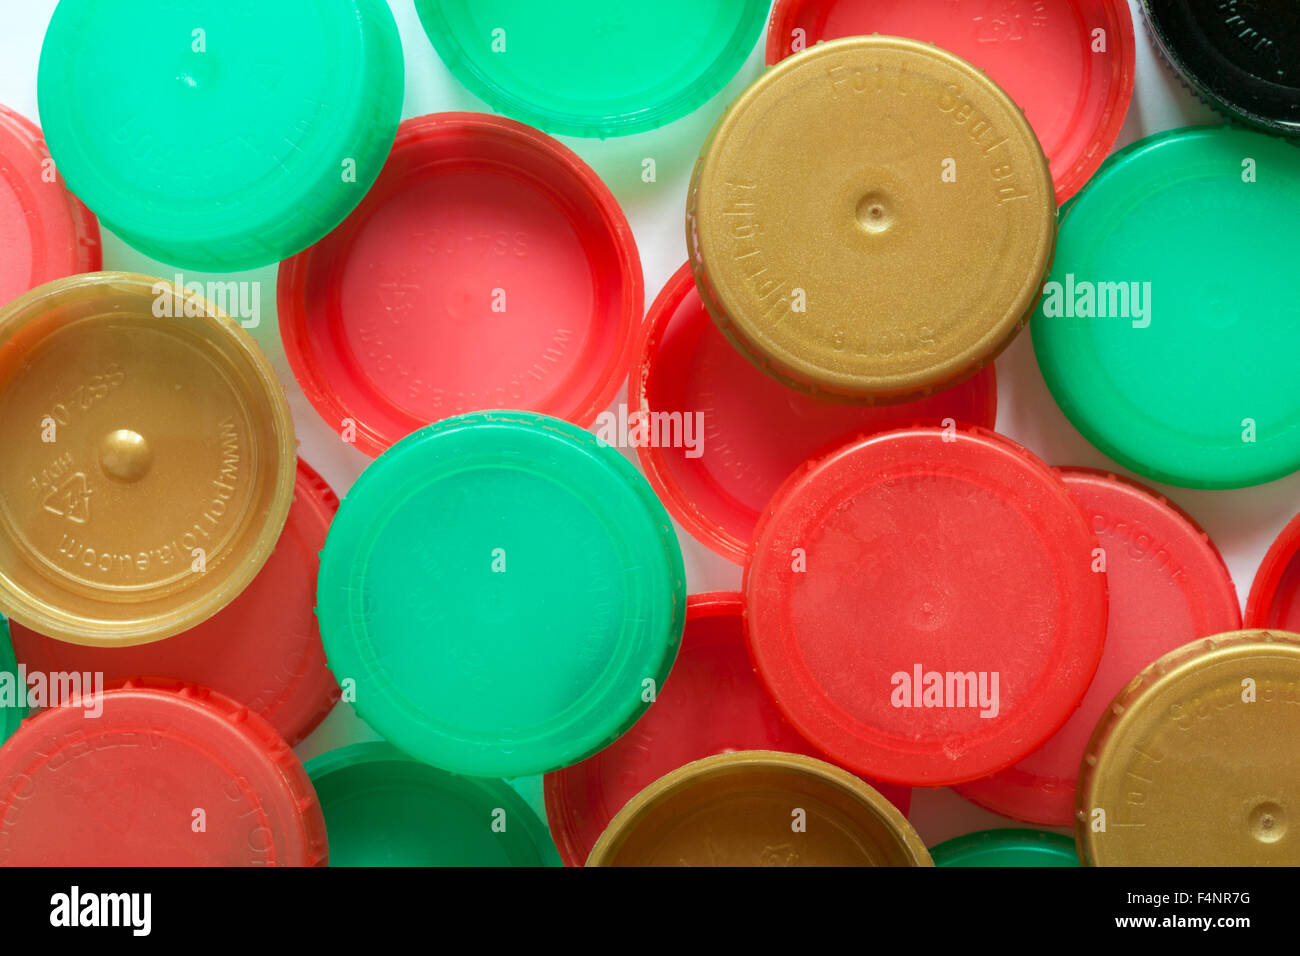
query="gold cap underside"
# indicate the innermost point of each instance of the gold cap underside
(759, 808)
(1197, 763)
(872, 219)
(149, 459)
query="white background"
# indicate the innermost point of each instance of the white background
(1242, 523)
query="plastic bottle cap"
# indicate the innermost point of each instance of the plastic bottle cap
(836, 255)
(126, 787)
(488, 268)
(753, 431)
(45, 232)
(1201, 742)
(1168, 585)
(589, 67)
(150, 459)
(505, 591)
(922, 604)
(1169, 328)
(1275, 595)
(12, 709)
(759, 808)
(1073, 83)
(384, 809)
(221, 136)
(1023, 848)
(1241, 59)
(711, 704)
(263, 649)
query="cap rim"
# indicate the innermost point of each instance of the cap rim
(374, 755)
(502, 98)
(852, 741)
(225, 235)
(1272, 570)
(225, 717)
(801, 370)
(889, 817)
(1163, 674)
(1177, 54)
(305, 335)
(1123, 428)
(973, 849)
(467, 750)
(43, 617)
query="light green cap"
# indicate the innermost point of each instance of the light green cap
(1170, 326)
(221, 135)
(1011, 847)
(505, 592)
(593, 67)
(384, 809)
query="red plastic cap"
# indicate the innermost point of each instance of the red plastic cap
(1168, 587)
(749, 432)
(45, 231)
(922, 605)
(1068, 63)
(489, 267)
(712, 703)
(1274, 600)
(263, 649)
(159, 773)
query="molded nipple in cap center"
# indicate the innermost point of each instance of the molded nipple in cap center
(125, 455)
(1268, 823)
(875, 212)
(197, 69)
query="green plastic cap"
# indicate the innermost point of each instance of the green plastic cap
(13, 694)
(1011, 847)
(384, 809)
(221, 135)
(592, 67)
(1169, 328)
(505, 591)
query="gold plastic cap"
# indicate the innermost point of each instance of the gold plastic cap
(1196, 761)
(759, 808)
(149, 459)
(871, 220)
